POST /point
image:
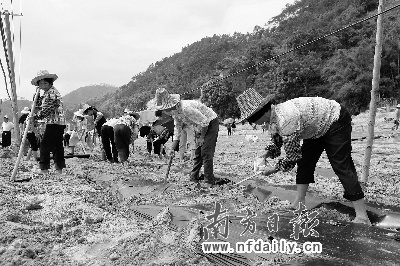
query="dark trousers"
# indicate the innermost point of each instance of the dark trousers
(122, 136)
(6, 138)
(33, 142)
(337, 145)
(149, 146)
(52, 142)
(204, 155)
(66, 138)
(229, 131)
(107, 138)
(157, 146)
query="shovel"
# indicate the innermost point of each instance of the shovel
(166, 185)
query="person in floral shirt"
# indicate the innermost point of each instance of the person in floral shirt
(50, 111)
(204, 120)
(323, 125)
(158, 136)
(117, 134)
(98, 117)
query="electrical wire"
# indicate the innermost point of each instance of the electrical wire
(291, 50)
(215, 81)
(5, 79)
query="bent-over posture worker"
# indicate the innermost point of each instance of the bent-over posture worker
(192, 112)
(322, 124)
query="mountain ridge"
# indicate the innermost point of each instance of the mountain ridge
(75, 98)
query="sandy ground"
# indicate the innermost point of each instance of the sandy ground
(85, 216)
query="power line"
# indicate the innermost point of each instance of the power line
(218, 80)
(291, 50)
(5, 80)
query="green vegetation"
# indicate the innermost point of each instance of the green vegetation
(338, 67)
(73, 100)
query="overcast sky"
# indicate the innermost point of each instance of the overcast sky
(109, 41)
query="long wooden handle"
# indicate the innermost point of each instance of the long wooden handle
(250, 177)
(169, 167)
(21, 147)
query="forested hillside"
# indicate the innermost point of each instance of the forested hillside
(6, 108)
(73, 99)
(337, 67)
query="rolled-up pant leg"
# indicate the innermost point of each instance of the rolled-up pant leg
(337, 144)
(204, 155)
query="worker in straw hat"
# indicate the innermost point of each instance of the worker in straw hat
(204, 119)
(50, 111)
(322, 124)
(98, 117)
(98, 120)
(6, 127)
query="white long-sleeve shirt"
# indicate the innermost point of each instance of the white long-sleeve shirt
(191, 112)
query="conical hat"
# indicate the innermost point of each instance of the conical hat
(164, 100)
(249, 102)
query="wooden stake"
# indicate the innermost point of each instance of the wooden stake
(374, 94)
(12, 77)
(21, 147)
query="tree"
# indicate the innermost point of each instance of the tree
(221, 99)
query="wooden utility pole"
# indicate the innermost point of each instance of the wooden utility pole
(14, 99)
(374, 93)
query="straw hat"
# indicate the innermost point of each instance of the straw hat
(132, 113)
(85, 107)
(164, 100)
(6, 116)
(249, 102)
(43, 74)
(79, 113)
(25, 110)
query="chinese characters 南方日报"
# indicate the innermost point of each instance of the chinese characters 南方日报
(304, 223)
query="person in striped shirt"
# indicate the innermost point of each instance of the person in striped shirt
(323, 125)
(205, 122)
